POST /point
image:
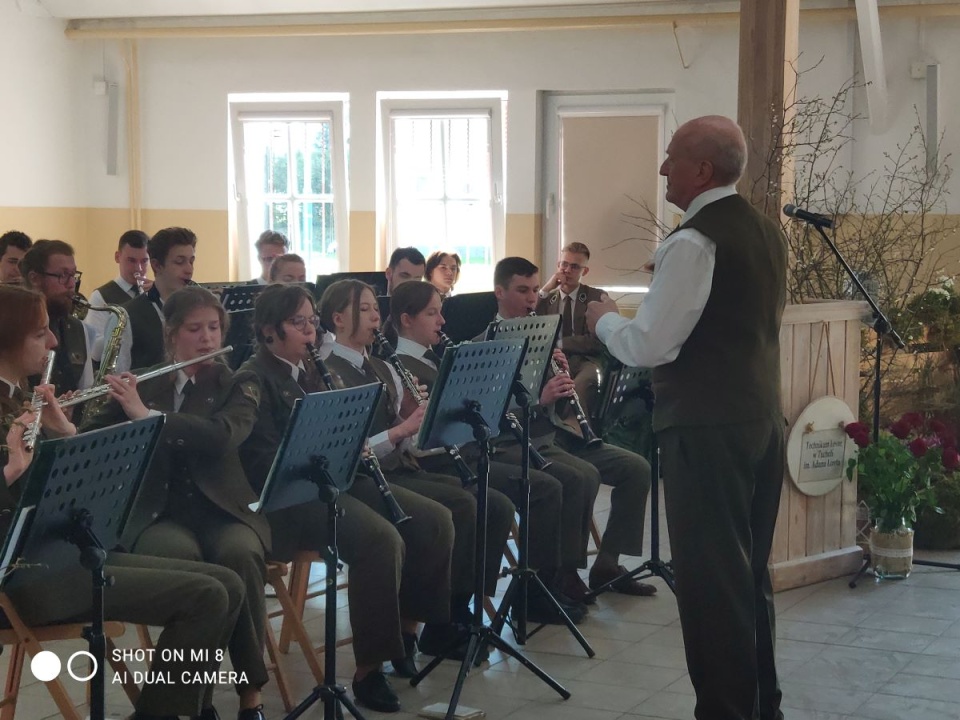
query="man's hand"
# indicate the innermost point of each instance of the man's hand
(596, 310)
(553, 283)
(557, 387)
(561, 360)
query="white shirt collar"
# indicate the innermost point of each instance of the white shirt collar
(349, 354)
(705, 198)
(406, 346)
(181, 381)
(574, 294)
(294, 369)
(124, 285)
(11, 387)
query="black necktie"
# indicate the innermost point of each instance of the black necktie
(185, 394)
(302, 380)
(567, 323)
(368, 371)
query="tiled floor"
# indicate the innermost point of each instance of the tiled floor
(886, 651)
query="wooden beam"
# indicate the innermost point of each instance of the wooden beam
(769, 38)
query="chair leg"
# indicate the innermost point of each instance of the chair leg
(143, 633)
(595, 534)
(292, 616)
(299, 582)
(14, 674)
(278, 672)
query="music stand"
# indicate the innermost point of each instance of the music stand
(541, 332)
(467, 314)
(79, 493)
(376, 279)
(625, 384)
(473, 387)
(239, 300)
(317, 459)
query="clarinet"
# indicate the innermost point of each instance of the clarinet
(589, 437)
(32, 433)
(406, 379)
(369, 460)
(511, 421)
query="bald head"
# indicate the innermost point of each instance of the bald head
(704, 153)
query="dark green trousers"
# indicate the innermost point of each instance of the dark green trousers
(196, 604)
(722, 492)
(381, 570)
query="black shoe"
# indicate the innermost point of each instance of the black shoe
(252, 714)
(374, 692)
(208, 713)
(404, 666)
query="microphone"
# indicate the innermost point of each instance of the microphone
(813, 218)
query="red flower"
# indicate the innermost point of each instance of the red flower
(913, 419)
(862, 439)
(938, 426)
(901, 429)
(951, 458)
(855, 428)
(918, 447)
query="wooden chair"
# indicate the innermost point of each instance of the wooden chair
(24, 641)
(292, 601)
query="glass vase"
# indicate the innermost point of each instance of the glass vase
(891, 553)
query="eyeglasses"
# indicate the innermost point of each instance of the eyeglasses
(65, 278)
(573, 267)
(300, 322)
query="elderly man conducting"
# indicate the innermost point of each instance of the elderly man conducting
(709, 328)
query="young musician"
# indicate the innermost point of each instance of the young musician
(350, 308)
(566, 295)
(406, 264)
(172, 253)
(415, 326)
(442, 271)
(270, 245)
(288, 268)
(132, 259)
(196, 604)
(398, 574)
(195, 501)
(515, 283)
(13, 246)
(50, 268)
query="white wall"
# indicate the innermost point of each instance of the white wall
(38, 99)
(59, 137)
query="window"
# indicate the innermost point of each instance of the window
(291, 177)
(444, 181)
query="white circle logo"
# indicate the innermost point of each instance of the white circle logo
(93, 666)
(45, 666)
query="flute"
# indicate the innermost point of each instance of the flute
(32, 433)
(368, 458)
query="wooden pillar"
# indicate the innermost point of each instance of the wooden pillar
(767, 83)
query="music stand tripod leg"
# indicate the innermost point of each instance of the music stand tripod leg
(655, 566)
(478, 634)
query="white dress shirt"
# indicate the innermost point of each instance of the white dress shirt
(682, 279)
(380, 442)
(96, 320)
(415, 350)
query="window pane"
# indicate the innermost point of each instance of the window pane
(316, 239)
(311, 142)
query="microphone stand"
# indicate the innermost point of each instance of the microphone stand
(882, 327)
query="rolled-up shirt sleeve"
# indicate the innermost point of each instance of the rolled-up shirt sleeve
(681, 285)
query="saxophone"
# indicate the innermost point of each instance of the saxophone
(111, 346)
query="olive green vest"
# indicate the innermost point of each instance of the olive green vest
(728, 370)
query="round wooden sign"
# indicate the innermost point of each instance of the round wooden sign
(818, 449)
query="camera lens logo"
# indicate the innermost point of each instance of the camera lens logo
(46, 666)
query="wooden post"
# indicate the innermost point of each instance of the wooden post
(768, 54)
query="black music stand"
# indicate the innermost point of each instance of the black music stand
(376, 279)
(541, 332)
(238, 301)
(627, 383)
(317, 459)
(467, 314)
(471, 393)
(79, 493)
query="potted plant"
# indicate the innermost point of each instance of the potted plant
(896, 475)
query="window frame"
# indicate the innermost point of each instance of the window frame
(331, 108)
(441, 106)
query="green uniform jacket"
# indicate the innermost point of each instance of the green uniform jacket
(198, 446)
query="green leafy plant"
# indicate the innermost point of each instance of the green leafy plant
(897, 473)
